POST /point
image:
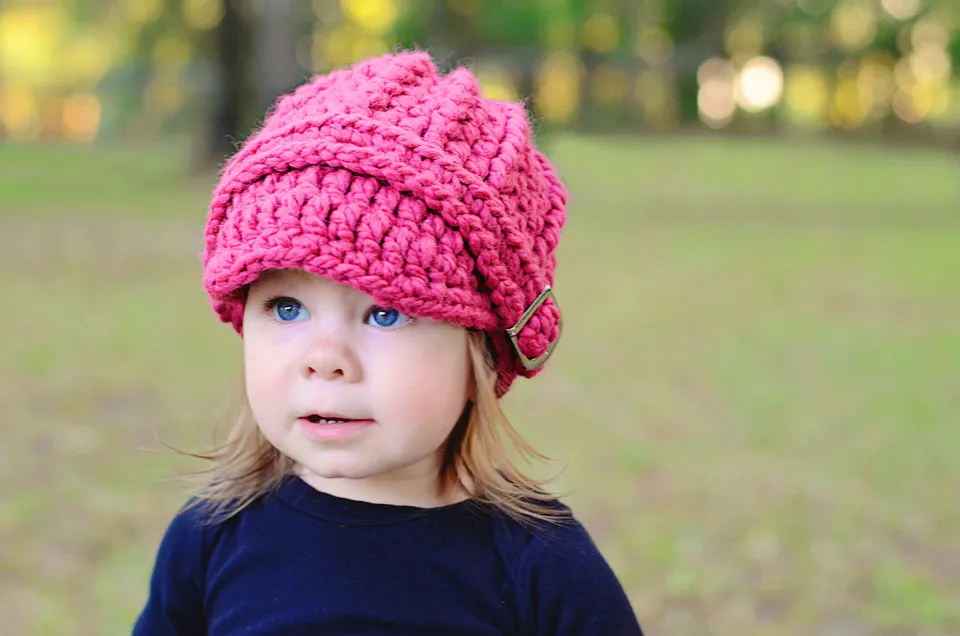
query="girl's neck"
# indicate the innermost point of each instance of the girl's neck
(406, 487)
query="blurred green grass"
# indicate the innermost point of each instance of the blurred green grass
(756, 393)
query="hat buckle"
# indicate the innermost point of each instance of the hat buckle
(531, 364)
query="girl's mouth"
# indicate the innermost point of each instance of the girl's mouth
(327, 419)
(328, 427)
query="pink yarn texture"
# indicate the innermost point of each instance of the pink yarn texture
(405, 184)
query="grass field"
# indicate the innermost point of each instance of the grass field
(758, 392)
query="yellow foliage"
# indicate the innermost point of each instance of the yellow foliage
(367, 46)
(32, 40)
(88, 58)
(846, 107)
(610, 84)
(335, 47)
(806, 93)
(924, 99)
(171, 52)
(557, 86)
(745, 39)
(375, 16)
(560, 34)
(654, 91)
(941, 102)
(601, 33)
(951, 113)
(163, 95)
(19, 114)
(139, 12)
(466, 8)
(497, 82)
(202, 15)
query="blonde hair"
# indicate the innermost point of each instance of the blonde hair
(476, 457)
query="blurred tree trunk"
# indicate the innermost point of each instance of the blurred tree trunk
(700, 22)
(229, 115)
(256, 63)
(277, 70)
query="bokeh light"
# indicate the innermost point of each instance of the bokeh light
(930, 64)
(951, 112)
(759, 85)
(171, 52)
(375, 16)
(19, 112)
(465, 8)
(847, 107)
(557, 86)
(815, 7)
(902, 9)
(875, 83)
(654, 45)
(929, 32)
(497, 81)
(89, 57)
(836, 66)
(715, 98)
(202, 15)
(806, 94)
(140, 11)
(344, 44)
(31, 44)
(164, 94)
(744, 39)
(914, 104)
(610, 84)
(81, 118)
(559, 34)
(718, 132)
(942, 98)
(929, 59)
(853, 25)
(654, 91)
(601, 33)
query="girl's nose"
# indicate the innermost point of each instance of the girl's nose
(330, 358)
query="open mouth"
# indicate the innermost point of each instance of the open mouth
(321, 419)
(325, 418)
(326, 427)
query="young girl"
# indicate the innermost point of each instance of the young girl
(385, 246)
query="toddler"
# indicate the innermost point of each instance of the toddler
(385, 245)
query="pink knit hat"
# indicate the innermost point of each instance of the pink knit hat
(408, 186)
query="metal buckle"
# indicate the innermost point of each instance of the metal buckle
(531, 364)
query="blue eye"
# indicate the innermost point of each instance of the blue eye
(288, 310)
(386, 318)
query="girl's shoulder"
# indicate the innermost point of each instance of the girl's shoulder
(523, 543)
(563, 583)
(190, 531)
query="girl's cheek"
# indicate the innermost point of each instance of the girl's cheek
(290, 333)
(270, 333)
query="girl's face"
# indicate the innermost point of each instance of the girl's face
(360, 396)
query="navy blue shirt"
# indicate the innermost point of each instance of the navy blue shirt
(298, 561)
